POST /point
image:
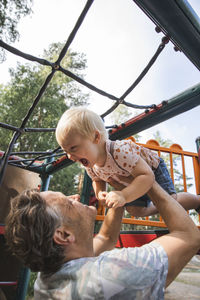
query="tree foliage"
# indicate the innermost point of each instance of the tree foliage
(120, 115)
(11, 12)
(18, 95)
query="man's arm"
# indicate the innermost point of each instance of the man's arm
(108, 235)
(183, 241)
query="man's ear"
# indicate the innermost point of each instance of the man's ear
(97, 137)
(63, 236)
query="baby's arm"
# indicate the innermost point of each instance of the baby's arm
(142, 182)
(100, 190)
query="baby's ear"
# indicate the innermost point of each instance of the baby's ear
(97, 137)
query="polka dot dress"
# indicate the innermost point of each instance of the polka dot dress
(122, 161)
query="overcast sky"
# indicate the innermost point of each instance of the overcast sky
(118, 40)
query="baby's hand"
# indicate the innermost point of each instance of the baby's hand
(115, 199)
(102, 197)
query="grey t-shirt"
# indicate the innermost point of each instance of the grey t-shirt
(130, 273)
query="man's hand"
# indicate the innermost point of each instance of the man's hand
(115, 199)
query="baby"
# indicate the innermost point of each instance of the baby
(82, 135)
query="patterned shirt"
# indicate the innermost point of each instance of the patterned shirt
(122, 161)
(130, 273)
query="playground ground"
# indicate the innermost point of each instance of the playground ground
(187, 284)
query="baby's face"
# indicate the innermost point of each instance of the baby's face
(81, 149)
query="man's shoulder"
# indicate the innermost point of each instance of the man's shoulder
(135, 255)
(132, 272)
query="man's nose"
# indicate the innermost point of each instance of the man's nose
(75, 197)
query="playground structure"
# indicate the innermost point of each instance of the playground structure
(186, 37)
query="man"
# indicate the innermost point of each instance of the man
(53, 234)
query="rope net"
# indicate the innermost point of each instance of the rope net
(39, 159)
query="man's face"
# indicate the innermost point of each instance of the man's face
(71, 207)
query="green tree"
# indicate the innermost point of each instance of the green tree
(120, 115)
(163, 142)
(29, 295)
(11, 12)
(18, 95)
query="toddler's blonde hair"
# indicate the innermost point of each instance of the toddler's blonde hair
(79, 120)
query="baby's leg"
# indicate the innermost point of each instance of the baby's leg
(142, 207)
(188, 201)
(138, 211)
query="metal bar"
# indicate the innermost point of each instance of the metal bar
(45, 178)
(184, 175)
(177, 20)
(22, 284)
(86, 190)
(196, 168)
(171, 167)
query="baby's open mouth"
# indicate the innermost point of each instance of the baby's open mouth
(84, 162)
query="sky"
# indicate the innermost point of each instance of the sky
(118, 40)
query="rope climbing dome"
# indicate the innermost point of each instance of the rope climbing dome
(185, 35)
(152, 114)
